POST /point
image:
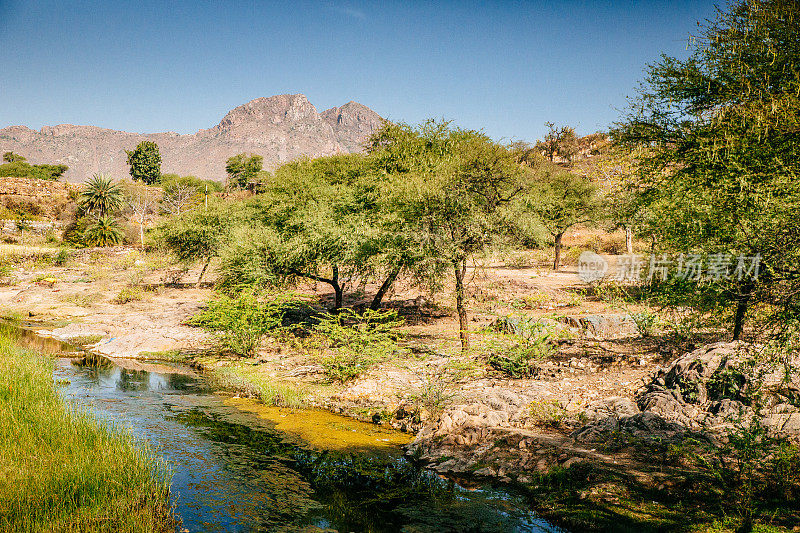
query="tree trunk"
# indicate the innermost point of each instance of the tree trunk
(557, 260)
(203, 271)
(628, 240)
(742, 303)
(460, 269)
(337, 289)
(385, 286)
(141, 233)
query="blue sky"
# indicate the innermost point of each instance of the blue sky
(504, 67)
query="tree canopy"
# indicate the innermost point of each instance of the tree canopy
(243, 168)
(720, 169)
(17, 166)
(145, 162)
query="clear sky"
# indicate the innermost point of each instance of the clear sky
(504, 67)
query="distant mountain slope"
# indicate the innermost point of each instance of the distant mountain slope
(279, 128)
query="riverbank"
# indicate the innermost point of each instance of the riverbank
(64, 471)
(569, 433)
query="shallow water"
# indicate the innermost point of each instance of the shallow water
(239, 466)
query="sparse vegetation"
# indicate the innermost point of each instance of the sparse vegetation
(351, 343)
(241, 321)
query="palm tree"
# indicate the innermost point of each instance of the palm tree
(104, 232)
(100, 196)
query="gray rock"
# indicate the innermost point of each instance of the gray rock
(612, 406)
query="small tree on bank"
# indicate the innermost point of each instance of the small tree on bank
(196, 235)
(445, 186)
(562, 200)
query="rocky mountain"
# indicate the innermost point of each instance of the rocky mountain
(279, 128)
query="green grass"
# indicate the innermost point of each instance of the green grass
(237, 377)
(60, 470)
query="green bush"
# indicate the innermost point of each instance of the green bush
(130, 293)
(547, 413)
(646, 322)
(352, 343)
(526, 341)
(753, 473)
(61, 258)
(241, 321)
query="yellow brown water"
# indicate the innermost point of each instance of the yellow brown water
(323, 430)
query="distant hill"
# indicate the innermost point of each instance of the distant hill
(279, 128)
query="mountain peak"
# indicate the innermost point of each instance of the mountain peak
(279, 128)
(269, 111)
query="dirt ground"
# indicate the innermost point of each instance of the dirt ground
(85, 300)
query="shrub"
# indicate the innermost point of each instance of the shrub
(547, 413)
(352, 343)
(241, 321)
(130, 293)
(646, 322)
(526, 342)
(752, 471)
(61, 258)
(104, 231)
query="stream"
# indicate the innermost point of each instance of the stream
(241, 466)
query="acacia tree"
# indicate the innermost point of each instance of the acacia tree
(310, 223)
(243, 168)
(145, 162)
(721, 169)
(197, 235)
(11, 157)
(561, 142)
(562, 200)
(445, 185)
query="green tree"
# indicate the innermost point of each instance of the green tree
(17, 166)
(11, 157)
(722, 160)
(445, 186)
(559, 142)
(100, 196)
(197, 235)
(561, 200)
(311, 222)
(243, 168)
(145, 162)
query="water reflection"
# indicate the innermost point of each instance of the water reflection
(27, 338)
(233, 471)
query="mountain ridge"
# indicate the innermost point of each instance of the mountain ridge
(279, 128)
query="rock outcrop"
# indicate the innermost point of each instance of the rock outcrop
(279, 128)
(710, 390)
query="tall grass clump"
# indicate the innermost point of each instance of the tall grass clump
(61, 470)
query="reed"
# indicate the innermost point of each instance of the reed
(60, 469)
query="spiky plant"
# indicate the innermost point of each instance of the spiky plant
(100, 196)
(104, 231)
